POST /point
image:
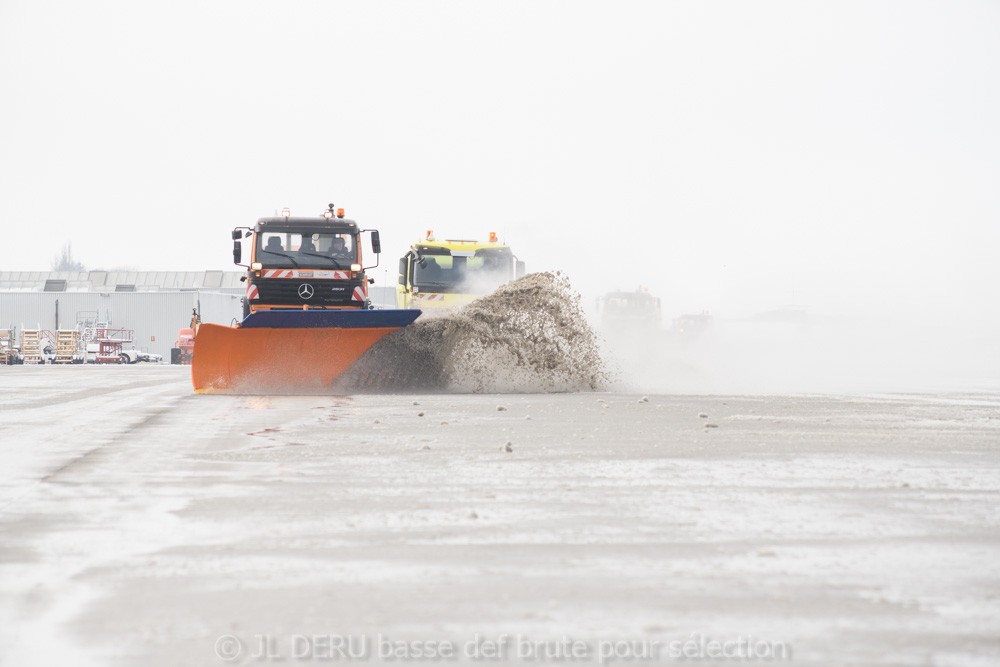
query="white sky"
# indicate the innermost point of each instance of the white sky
(731, 156)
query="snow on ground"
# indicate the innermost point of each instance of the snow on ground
(143, 524)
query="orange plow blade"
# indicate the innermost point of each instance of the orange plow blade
(287, 351)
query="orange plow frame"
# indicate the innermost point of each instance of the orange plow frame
(268, 354)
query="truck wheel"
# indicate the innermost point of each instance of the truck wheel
(123, 359)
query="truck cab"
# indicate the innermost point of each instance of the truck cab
(442, 274)
(305, 263)
(638, 310)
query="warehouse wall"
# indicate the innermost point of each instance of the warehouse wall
(221, 308)
(384, 297)
(155, 317)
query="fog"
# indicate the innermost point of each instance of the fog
(811, 356)
(735, 158)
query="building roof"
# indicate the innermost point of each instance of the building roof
(120, 281)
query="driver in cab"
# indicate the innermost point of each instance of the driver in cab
(339, 251)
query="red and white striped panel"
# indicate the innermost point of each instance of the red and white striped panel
(292, 273)
(432, 297)
(252, 292)
(359, 294)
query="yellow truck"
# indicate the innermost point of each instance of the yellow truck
(443, 274)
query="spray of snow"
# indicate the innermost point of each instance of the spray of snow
(529, 335)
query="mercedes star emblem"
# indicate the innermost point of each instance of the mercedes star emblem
(306, 291)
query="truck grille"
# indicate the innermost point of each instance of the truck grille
(284, 291)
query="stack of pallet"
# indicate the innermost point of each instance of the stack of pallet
(67, 345)
(7, 355)
(31, 346)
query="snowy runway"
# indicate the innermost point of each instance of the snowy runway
(142, 524)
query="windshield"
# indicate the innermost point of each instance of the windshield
(480, 273)
(306, 250)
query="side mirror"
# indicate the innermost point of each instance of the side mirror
(237, 234)
(376, 243)
(518, 269)
(237, 250)
(402, 271)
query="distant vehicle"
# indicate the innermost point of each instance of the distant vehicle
(443, 274)
(10, 354)
(135, 356)
(183, 350)
(692, 324)
(106, 345)
(629, 310)
(130, 356)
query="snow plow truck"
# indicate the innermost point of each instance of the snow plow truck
(442, 274)
(306, 314)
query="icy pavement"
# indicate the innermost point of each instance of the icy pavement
(144, 525)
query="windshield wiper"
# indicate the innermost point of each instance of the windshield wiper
(340, 263)
(271, 252)
(316, 254)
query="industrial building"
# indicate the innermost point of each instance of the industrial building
(155, 305)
